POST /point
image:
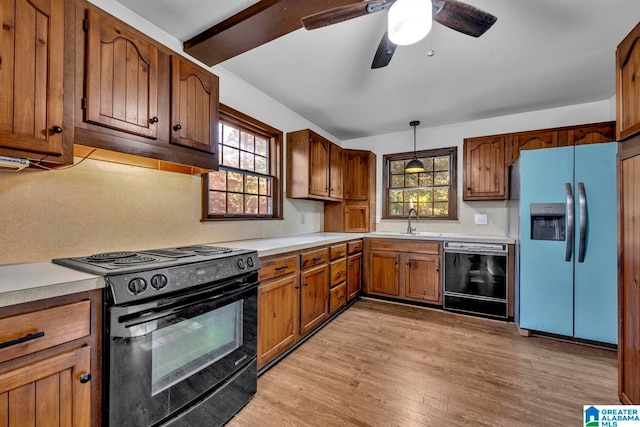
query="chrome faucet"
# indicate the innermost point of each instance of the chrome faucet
(410, 229)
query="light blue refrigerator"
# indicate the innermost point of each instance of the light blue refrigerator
(568, 241)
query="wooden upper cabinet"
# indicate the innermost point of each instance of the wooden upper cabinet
(628, 85)
(194, 106)
(592, 134)
(357, 175)
(121, 78)
(315, 167)
(336, 172)
(484, 168)
(32, 47)
(532, 140)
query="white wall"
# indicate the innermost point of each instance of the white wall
(453, 135)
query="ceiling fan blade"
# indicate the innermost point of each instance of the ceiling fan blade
(462, 17)
(342, 13)
(384, 53)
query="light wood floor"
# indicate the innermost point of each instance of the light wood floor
(381, 364)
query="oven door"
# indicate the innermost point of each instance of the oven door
(475, 274)
(165, 355)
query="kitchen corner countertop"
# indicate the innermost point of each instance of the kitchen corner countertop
(21, 283)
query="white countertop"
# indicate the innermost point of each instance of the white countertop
(21, 283)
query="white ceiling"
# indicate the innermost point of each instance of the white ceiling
(539, 54)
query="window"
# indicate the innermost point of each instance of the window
(248, 184)
(432, 193)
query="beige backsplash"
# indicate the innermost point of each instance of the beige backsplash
(99, 206)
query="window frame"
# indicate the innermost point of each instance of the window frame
(452, 152)
(241, 121)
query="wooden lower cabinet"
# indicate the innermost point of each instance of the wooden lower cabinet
(403, 269)
(354, 275)
(51, 392)
(337, 297)
(314, 294)
(278, 317)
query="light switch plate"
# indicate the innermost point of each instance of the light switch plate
(481, 219)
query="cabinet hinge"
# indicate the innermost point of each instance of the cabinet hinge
(85, 24)
(84, 103)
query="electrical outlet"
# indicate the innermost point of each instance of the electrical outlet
(481, 219)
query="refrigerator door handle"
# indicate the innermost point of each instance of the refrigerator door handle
(582, 203)
(570, 222)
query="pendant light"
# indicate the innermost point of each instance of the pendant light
(414, 165)
(409, 21)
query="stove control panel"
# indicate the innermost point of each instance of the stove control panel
(135, 286)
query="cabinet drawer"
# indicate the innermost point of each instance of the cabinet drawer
(338, 251)
(277, 267)
(354, 247)
(337, 298)
(338, 272)
(30, 332)
(415, 246)
(310, 259)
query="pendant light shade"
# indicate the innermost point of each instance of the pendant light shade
(414, 165)
(409, 21)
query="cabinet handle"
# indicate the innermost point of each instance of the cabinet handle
(56, 129)
(177, 127)
(340, 273)
(317, 258)
(85, 378)
(153, 119)
(340, 297)
(304, 284)
(282, 267)
(20, 340)
(396, 262)
(296, 287)
(408, 263)
(341, 251)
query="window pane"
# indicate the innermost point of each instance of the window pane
(230, 157)
(263, 205)
(235, 203)
(230, 136)
(263, 186)
(251, 204)
(425, 195)
(397, 166)
(261, 165)
(411, 180)
(262, 145)
(441, 209)
(428, 164)
(246, 142)
(426, 179)
(246, 161)
(441, 194)
(441, 178)
(396, 195)
(441, 163)
(218, 180)
(411, 196)
(234, 182)
(217, 202)
(425, 209)
(397, 180)
(251, 184)
(397, 208)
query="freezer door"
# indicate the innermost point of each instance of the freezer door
(596, 277)
(546, 279)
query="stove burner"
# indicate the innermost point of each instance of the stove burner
(205, 249)
(134, 260)
(110, 256)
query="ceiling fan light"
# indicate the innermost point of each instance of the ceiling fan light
(409, 21)
(413, 166)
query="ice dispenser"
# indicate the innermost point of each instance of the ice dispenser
(547, 221)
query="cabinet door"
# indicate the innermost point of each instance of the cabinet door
(422, 277)
(593, 134)
(384, 273)
(336, 171)
(356, 217)
(50, 392)
(121, 78)
(484, 168)
(314, 298)
(318, 166)
(277, 317)
(533, 140)
(354, 275)
(628, 85)
(357, 175)
(194, 106)
(31, 75)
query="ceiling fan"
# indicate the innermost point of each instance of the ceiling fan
(412, 15)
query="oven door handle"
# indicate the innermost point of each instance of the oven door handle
(149, 315)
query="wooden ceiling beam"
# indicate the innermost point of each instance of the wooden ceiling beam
(259, 24)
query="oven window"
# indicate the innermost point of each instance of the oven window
(473, 274)
(184, 348)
